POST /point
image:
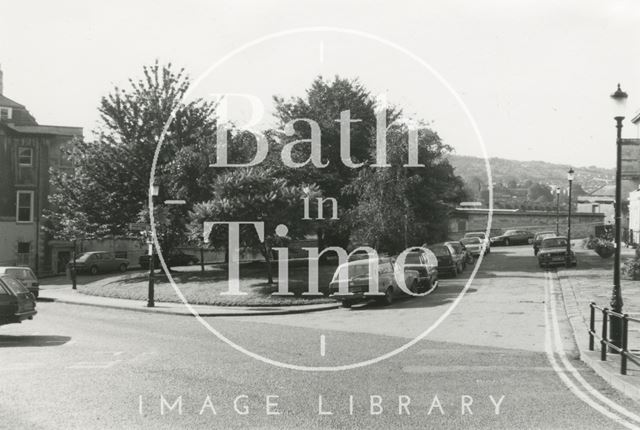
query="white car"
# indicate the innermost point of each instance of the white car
(482, 235)
(24, 275)
(473, 245)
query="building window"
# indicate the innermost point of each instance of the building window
(24, 206)
(24, 253)
(25, 156)
(5, 113)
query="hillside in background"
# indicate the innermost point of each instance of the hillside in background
(472, 170)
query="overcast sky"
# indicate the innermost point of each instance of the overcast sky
(535, 75)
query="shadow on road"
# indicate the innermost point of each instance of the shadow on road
(7, 341)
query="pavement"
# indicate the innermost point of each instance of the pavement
(62, 293)
(503, 339)
(591, 281)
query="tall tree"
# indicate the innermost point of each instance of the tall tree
(109, 182)
(323, 102)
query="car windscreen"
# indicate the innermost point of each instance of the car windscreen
(471, 241)
(84, 257)
(15, 285)
(440, 251)
(413, 258)
(22, 274)
(556, 242)
(456, 246)
(354, 271)
(479, 235)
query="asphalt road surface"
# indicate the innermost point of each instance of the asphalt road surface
(501, 356)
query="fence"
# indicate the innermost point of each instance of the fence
(623, 349)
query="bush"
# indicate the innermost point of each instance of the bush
(603, 247)
(631, 267)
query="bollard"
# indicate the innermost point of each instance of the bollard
(603, 342)
(592, 325)
(623, 353)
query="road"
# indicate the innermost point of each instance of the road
(503, 357)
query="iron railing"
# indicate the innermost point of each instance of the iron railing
(605, 342)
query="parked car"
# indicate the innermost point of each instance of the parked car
(425, 263)
(464, 256)
(513, 237)
(99, 262)
(358, 281)
(473, 245)
(537, 239)
(553, 251)
(16, 302)
(177, 258)
(448, 262)
(482, 236)
(24, 275)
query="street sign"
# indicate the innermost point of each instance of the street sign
(630, 162)
(138, 226)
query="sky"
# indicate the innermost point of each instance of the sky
(534, 76)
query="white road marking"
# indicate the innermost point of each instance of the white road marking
(94, 365)
(551, 324)
(322, 345)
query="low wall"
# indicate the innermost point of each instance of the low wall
(463, 221)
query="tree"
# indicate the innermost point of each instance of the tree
(109, 182)
(396, 198)
(323, 102)
(254, 194)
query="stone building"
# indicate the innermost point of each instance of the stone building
(27, 151)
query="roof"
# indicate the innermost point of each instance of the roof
(46, 129)
(7, 102)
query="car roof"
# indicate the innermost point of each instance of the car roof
(3, 268)
(364, 261)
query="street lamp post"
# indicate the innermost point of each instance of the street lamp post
(154, 190)
(619, 98)
(74, 271)
(558, 211)
(568, 257)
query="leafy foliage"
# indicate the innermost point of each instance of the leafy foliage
(253, 194)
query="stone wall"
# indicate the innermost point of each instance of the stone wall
(462, 221)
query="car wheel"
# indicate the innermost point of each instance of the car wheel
(507, 242)
(123, 267)
(427, 285)
(346, 304)
(414, 287)
(93, 270)
(388, 296)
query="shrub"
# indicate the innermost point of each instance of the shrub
(631, 267)
(604, 248)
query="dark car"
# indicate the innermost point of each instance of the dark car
(426, 264)
(513, 237)
(24, 275)
(177, 258)
(553, 251)
(462, 251)
(448, 262)
(537, 240)
(16, 302)
(99, 262)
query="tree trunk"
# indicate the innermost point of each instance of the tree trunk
(266, 253)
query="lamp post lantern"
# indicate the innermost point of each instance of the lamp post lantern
(568, 257)
(619, 99)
